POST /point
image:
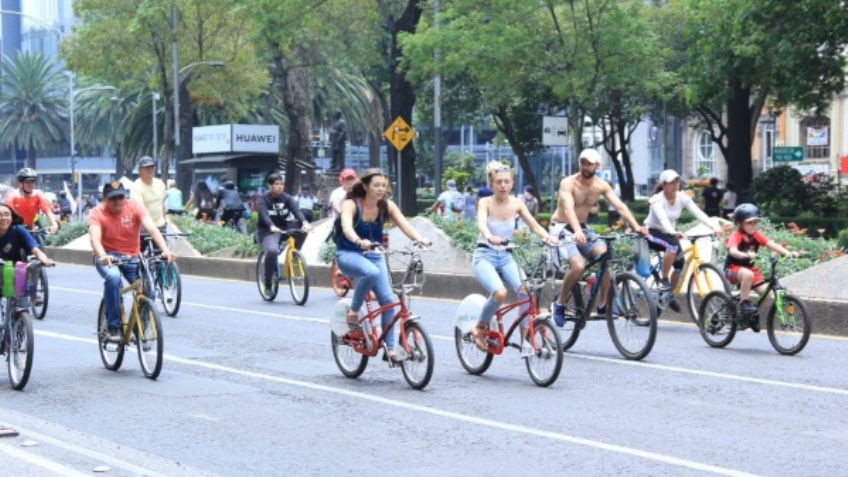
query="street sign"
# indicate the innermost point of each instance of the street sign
(399, 133)
(788, 154)
(554, 131)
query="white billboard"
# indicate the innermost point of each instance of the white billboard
(256, 138)
(207, 139)
(555, 131)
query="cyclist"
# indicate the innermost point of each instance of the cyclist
(346, 180)
(578, 194)
(14, 239)
(27, 201)
(273, 208)
(363, 214)
(742, 247)
(150, 191)
(492, 263)
(228, 198)
(114, 227)
(65, 207)
(174, 199)
(665, 208)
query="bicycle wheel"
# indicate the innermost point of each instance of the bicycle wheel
(631, 316)
(545, 364)
(298, 278)
(570, 329)
(717, 324)
(171, 292)
(148, 339)
(472, 358)
(270, 293)
(789, 327)
(418, 366)
(340, 283)
(350, 363)
(111, 353)
(19, 354)
(38, 305)
(708, 278)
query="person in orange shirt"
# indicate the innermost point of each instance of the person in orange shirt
(114, 227)
(27, 201)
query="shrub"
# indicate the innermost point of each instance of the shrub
(842, 240)
(68, 233)
(208, 238)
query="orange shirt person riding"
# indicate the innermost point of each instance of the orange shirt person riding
(27, 201)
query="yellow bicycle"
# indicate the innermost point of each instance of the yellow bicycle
(140, 326)
(291, 266)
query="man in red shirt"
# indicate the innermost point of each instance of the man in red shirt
(114, 228)
(27, 201)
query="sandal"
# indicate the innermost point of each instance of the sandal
(480, 339)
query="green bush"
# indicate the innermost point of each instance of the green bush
(208, 238)
(782, 192)
(327, 252)
(842, 240)
(822, 226)
(68, 233)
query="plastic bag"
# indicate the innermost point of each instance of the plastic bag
(642, 258)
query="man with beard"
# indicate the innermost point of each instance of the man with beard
(578, 194)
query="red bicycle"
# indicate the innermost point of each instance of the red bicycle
(414, 351)
(341, 283)
(544, 355)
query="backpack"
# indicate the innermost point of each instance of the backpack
(458, 202)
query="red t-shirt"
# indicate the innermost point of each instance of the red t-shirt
(27, 207)
(120, 232)
(744, 243)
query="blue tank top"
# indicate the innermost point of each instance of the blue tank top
(372, 231)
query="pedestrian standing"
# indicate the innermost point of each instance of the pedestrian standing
(306, 202)
(712, 198)
(728, 201)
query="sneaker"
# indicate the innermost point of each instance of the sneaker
(268, 284)
(559, 314)
(145, 345)
(755, 323)
(747, 308)
(602, 310)
(674, 305)
(527, 349)
(113, 334)
(400, 353)
(665, 285)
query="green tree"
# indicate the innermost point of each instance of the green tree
(735, 55)
(34, 103)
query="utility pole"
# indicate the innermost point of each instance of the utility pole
(176, 97)
(437, 111)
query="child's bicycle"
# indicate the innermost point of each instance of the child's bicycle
(788, 322)
(703, 277)
(16, 335)
(631, 313)
(140, 326)
(291, 266)
(414, 351)
(544, 357)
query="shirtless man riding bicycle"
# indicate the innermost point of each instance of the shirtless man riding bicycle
(578, 193)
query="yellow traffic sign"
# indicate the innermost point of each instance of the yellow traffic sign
(399, 133)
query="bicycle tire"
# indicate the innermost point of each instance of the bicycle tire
(357, 361)
(545, 365)
(42, 289)
(717, 322)
(570, 329)
(20, 351)
(466, 348)
(339, 283)
(171, 288)
(267, 295)
(704, 272)
(111, 359)
(150, 360)
(298, 283)
(625, 320)
(421, 356)
(805, 329)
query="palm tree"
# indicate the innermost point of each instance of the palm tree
(102, 114)
(34, 105)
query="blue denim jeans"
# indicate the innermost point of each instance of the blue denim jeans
(112, 286)
(370, 273)
(496, 269)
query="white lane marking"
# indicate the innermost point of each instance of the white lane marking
(39, 461)
(517, 428)
(93, 454)
(624, 362)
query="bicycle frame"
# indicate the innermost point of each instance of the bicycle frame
(602, 259)
(693, 260)
(500, 337)
(360, 345)
(134, 320)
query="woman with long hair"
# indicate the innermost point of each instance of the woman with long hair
(202, 198)
(363, 214)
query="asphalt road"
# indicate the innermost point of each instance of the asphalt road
(251, 388)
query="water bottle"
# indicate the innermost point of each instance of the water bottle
(8, 279)
(20, 279)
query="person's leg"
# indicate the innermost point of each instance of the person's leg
(111, 296)
(483, 268)
(271, 247)
(385, 296)
(355, 265)
(745, 277)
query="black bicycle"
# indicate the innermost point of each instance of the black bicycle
(38, 303)
(16, 335)
(163, 276)
(631, 313)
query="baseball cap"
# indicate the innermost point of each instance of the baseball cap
(590, 155)
(114, 189)
(450, 184)
(347, 173)
(668, 175)
(146, 161)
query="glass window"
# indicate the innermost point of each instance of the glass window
(704, 163)
(815, 135)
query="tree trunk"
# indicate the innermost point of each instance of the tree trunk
(738, 158)
(15, 156)
(120, 167)
(296, 104)
(627, 187)
(504, 124)
(373, 149)
(31, 155)
(186, 122)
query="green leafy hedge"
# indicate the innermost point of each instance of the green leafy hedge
(208, 238)
(68, 233)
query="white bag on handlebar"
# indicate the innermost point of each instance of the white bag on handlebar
(642, 258)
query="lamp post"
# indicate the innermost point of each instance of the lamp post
(178, 84)
(155, 96)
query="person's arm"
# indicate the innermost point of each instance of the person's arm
(294, 207)
(262, 210)
(733, 249)
(483, 221)
(51, 219)
(566, 197)
(336, 204)
(622, 208)
(528, 219)
(699, 214)
(31, 246)
(405, 226)
(157, 237)
(95, 236)
(348, 210)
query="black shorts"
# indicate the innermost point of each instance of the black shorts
(664, 242)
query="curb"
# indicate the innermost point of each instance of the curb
(828, 315)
